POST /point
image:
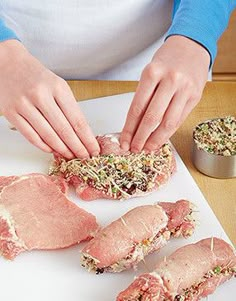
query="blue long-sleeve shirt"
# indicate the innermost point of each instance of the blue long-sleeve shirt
(202, 21)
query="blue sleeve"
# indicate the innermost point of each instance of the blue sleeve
(202, 21)
(6, 33)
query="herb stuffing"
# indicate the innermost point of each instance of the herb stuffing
(119, 176)
(141, 249)
(217, 136)
(193, 291)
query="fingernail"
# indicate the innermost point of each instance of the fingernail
(48, 149)
(125, 146)
(70, 156)
(151, 149)
(135, 150)
(95, 154)
(84, 156)
(146, 150)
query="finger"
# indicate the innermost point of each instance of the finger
(153, 115)
(30, 134)
(187, 109)
(67, 103)
(45, 131)
(169, 123)
(63, 128)
(145, 90)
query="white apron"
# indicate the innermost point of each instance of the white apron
(90, 39)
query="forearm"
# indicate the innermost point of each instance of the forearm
(202, 21)
(6, 33)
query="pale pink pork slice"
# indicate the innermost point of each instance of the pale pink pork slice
(189, 274)
(35, 214)
(180, 218)
(86, 186)
(139, 232)
(109, 144)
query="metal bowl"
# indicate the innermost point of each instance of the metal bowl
(213, 165)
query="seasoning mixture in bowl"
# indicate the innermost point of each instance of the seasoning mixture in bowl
(217, 136)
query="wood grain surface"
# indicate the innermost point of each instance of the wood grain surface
(225, 64)
(219, 99)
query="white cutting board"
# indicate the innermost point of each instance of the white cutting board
(57, 275)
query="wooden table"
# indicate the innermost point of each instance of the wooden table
(219, 99)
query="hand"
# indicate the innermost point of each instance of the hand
(169, 88)
(41, 105)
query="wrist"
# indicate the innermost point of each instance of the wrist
(11, 50)
(187, 45)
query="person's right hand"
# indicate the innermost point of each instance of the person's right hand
(41, 105)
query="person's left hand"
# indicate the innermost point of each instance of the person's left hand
(169, 88)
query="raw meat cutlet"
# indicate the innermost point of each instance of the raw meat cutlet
(141, 231)
(191, 273)
(116, 174)
(35, 214)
